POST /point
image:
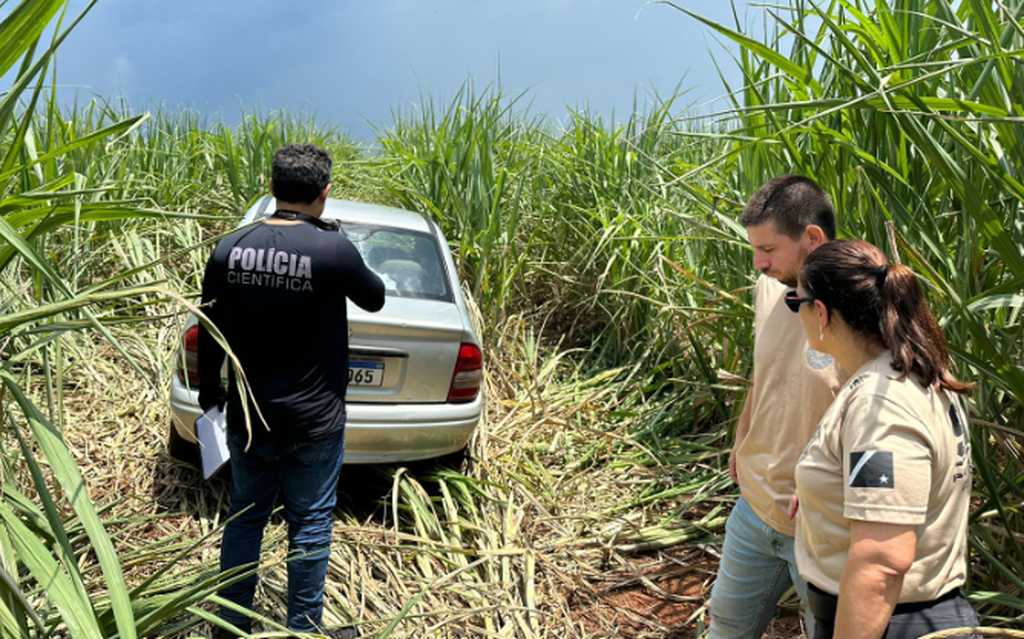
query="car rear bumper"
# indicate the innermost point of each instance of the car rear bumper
(375, 433)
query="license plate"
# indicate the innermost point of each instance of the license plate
(362, 373)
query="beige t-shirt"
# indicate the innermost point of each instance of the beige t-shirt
(890, 451)
(793, 386)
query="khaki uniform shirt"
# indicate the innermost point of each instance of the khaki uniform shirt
(793, 386)
(888, 451)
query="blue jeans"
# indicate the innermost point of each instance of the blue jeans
(756, 569)
(307, 475)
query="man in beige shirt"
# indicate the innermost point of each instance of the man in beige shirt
(787, 218)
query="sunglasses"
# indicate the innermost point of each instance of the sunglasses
(793, 300)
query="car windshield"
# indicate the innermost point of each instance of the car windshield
(409, 262)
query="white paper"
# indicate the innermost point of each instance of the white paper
(212, 431)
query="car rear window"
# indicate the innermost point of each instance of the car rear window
(409, 262)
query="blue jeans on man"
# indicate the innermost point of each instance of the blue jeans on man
(307, 476)
(757, 567)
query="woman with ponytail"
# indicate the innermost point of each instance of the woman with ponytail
(885, 484)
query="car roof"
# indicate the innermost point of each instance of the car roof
(350, 211)
(365, 213)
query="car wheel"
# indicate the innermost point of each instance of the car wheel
(181, 449)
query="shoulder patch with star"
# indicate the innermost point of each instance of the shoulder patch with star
(872, 469)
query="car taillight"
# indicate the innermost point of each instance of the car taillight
(468, 375)
(188, 363)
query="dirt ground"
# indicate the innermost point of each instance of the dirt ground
(664, 595)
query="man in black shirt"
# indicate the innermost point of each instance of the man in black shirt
(277, 292)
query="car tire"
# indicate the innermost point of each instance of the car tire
(181, 449)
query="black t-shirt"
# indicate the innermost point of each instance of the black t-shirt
(277, 292)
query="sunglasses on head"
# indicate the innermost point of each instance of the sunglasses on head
(793, 300)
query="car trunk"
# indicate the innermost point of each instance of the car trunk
(404, 354)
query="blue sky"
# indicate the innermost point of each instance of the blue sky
(352, 62)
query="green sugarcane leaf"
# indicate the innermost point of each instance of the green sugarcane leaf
(10, 591)
(22, 27)
(10, 321)
(10, 99)
(65, 470)
(55, 530)
(11, 625)
(123, 127)
(776, 59)
(990, 302)
(75, 607)
(28, 253)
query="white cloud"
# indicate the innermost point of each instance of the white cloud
(121, 73)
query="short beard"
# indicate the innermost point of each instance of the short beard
(791, 280)
(788, 280)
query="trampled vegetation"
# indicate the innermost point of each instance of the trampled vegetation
(613, 289)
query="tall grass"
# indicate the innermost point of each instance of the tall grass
(543, 275)
(54, 545)
(904, 112)
(89, 243)
(612, 281)
(577, 229)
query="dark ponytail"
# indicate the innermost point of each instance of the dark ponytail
(853, 278)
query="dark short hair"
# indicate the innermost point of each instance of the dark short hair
(300, 172)
(791, 203)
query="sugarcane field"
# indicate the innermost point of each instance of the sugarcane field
(566, 467)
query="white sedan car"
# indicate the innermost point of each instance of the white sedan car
(415, 367)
